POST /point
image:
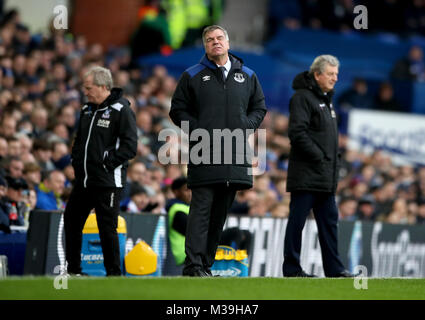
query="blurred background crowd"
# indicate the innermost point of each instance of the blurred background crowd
(41, 97)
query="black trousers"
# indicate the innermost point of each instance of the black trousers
(326, 216)
(207, 215)
(105, 201)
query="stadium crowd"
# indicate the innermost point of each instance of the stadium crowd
(40, 101)
(395, 16)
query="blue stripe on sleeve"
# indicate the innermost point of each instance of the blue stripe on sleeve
(248, 71)
(194, 70)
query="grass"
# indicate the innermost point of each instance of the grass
(182, 288)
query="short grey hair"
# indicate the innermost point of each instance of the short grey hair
(320, 63)
(101, 76)
(212, 28)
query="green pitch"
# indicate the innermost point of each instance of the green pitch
(181, 288)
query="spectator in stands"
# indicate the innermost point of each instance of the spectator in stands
(32, 174)
(340, 15)
(3, 148)
(314, 13)
(420, 218)
(414, 17)
(243, 201)
(14, 146)
(412, 67)
(138, 201)
(26, 146)
(4, 211)
(384, 198)
(366, 208)
(158, 202)
(13, 202)
(347, 209)
(385, 100)
(39, 119)
(66, 116)
(283, 13)
(13, 166)
(356, 97)
(136, 173)
(49, 191)
(400, 213)
(42, 151)
(280, 209)
(61, 156)
(8, 126)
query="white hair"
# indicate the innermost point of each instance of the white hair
(101, 76)
(320, 63)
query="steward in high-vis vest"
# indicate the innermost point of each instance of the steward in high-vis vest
(178, 210)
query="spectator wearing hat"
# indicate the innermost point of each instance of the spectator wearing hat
(12, 203)
(49, 191)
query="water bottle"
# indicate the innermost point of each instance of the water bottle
(13, 213)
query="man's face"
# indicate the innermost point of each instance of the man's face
(141, 200)
(184, 194)
(16, 168)
(327, 79)
(95, 94)
(14, 194)
(216, 44)
(137, 172)
(57, 183)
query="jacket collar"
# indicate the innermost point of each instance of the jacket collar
(237, 62)
(305, 81)
(114, 96)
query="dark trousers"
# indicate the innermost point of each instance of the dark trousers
(105, 201)
(207, 215)
(326, 216)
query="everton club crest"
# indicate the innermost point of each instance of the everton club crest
(239, 77)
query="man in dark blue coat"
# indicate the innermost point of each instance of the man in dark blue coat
(219, 94)
(313, 166)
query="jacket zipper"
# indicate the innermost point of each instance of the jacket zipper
(85, 150)
(227, 121)
(335, 128)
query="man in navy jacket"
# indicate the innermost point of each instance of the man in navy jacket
(313, 166)
(219, 94)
